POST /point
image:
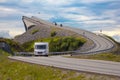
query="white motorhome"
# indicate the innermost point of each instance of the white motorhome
(41, 48)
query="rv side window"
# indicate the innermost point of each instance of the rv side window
(40, 47)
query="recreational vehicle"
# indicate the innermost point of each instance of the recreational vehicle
(41, 48)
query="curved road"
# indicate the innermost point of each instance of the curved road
(101, 43)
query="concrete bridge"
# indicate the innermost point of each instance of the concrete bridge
(101, 42)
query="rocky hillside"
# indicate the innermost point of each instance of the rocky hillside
(43, 30)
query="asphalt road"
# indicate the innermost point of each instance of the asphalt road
(95, 66)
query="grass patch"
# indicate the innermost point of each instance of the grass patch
(15, 70)
(53, 33)
(34, 31)
(102, 56)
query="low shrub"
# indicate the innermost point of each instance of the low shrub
(53, 33)
(15, 47)
(34, 31)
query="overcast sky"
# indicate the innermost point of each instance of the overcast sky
(92, 15)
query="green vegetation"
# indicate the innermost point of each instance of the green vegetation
(15, 70)
(15, 47)
(34, 31)
(53, 33)
(66, 44)
(102, 56)
(58, 44)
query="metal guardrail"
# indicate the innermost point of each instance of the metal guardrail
(51, 53)
(23, 54)
(94, 52)
(62, 53)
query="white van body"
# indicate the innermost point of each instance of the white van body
(41, 48)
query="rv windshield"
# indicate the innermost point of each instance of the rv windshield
(40, 46)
